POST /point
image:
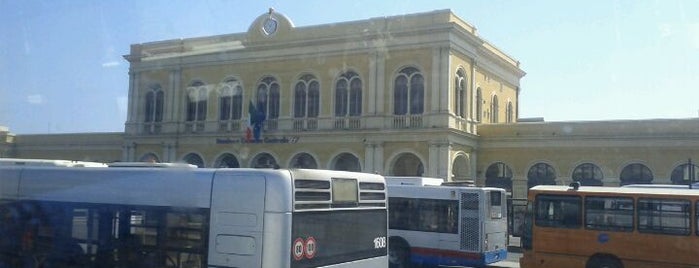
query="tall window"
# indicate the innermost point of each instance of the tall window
(682, 174)
(348, 95)
(231, 100)
(268, 97)
(460, 97)
(227, 161)
(494, 110)
(197, 95)
(636, 174)
(264, 160)
(307, 97)
(409, 92)
(510, 113)
(588, 174)
(541, 174)
(154, 104)
(499, 175)
(347, 162)
(479, 105)
(194, 159)
(303, 160)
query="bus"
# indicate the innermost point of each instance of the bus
(191, 217)
(432, 224)
(611, 227)
(48, 162)
(694, 185)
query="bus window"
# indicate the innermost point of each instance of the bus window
(663, 216)
(496, 209)
(558, 211)
(609, 213)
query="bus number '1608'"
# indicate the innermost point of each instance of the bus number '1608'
(380, 242)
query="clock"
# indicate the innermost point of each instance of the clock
(270, 26)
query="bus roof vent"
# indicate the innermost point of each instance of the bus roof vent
(372, 194)
(312, 194)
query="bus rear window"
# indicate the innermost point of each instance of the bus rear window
(495, 198)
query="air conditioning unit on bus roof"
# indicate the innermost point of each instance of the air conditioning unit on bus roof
(417, 181)
(151, 165)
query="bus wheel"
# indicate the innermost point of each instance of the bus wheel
(398, 253)
(603, 262)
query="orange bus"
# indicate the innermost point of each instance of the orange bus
(611, 227)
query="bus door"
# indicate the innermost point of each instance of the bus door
(237, 209)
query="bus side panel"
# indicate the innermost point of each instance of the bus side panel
(9, 183)
(372, 262)
(277, 236)
(543, 260)
(237, 217)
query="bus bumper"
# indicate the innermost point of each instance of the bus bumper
(454, 258)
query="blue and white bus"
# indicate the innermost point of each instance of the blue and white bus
(190, 217)
(432, 224)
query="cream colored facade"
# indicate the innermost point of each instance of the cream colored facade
(437, 124)
(429, 140)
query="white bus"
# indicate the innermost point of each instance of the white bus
(48, 162)
(431, 224)
(179, 217)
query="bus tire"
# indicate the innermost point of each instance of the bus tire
(603, 262)
(398, 253)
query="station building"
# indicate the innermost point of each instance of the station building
(412, 95)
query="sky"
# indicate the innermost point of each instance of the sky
(62, 70)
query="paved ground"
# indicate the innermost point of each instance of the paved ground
(514, 252)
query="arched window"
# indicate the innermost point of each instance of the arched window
(348, 95)
(227, 161)
(510, 113)
(268, 97)
(264, 160)
(154, 104)
(460, 97)
(682, 174)
(479, 105)
(304, 160)
(347, 162)
(150, 158)
(231, 100)
(197, 96)
(588, 174)
(499, 175)
(194, 159)
(636, 174)
(409, 92)
(541, 174)
(307, 97)
(408, 164)
(494, 110)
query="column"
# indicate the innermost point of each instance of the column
(175, 94)
(439, 160)
(133, 98)
(440, 80)
(128, 152)
(376, 88)
(373, 157)
(472, 92)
